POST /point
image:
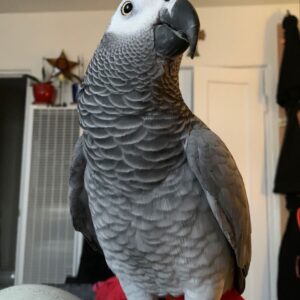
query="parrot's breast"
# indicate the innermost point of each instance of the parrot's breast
(164, 239)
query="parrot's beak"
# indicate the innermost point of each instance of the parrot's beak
(183, 20)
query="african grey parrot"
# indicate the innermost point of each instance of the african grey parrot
(150, 183)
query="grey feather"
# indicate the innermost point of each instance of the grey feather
(222, 183)
(80, 212)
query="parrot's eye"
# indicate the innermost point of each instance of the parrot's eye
(126, 8)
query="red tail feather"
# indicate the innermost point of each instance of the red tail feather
(111, 290)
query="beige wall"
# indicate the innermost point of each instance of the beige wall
(243, 35)
(26, 38)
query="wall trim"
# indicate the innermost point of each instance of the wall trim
(271, 154)
(14, 73)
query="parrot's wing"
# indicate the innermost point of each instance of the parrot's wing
(79, 202)
(223, 185)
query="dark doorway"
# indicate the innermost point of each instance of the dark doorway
(12, 113)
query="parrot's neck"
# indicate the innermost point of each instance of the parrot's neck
(134, 116)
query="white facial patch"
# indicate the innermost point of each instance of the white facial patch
(142, 17)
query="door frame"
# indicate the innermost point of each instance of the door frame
(21, 226)
(25, 183)
(273, 200)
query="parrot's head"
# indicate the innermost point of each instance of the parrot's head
(174, 23)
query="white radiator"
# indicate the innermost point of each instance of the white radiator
(48, 246)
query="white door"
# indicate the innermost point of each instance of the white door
(231, 103)
(186, 82)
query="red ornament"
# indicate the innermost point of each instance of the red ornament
(44, 93)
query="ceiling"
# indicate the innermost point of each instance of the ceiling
(13, 6)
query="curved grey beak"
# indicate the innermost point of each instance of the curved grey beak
(183, 19)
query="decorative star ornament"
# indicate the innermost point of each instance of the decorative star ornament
(63, 65)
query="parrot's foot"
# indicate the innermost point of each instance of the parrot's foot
(132, 292)
(209, 291)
